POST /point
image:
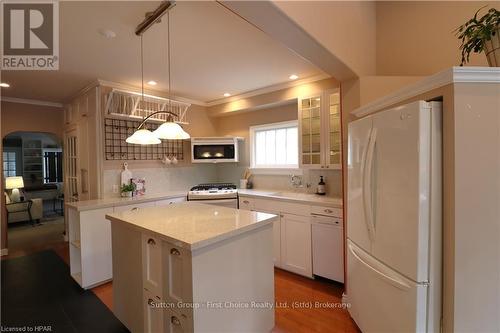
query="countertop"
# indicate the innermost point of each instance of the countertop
(193, 225)
(119, 201)
(299, 197)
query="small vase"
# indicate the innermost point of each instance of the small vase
(492, 49)
(126, 194)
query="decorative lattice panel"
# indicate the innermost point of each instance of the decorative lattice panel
(117, 130)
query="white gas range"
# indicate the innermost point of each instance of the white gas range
(220, 194)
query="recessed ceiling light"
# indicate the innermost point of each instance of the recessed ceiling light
(227, 94)
(293, 77)
(152, 83)
(107, 33)
(4, 85)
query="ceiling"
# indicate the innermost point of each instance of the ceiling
(213, 52)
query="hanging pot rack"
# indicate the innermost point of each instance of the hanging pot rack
(130, 104)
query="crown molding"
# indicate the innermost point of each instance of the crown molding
(268, 89)
(30, 101)
(440, 79)
(248, 94)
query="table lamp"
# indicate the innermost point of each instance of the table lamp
(14, 184)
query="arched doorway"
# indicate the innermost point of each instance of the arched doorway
(33, 173)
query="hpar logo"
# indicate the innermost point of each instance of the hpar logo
(30, 35)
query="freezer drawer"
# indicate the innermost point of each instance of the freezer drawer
(328, 248)
(381, 300)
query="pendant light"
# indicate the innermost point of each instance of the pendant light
(170, 130)
(143, 136)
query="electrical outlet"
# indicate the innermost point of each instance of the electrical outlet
(115, 188)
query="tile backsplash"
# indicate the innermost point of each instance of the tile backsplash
(160, 179)
(332, 178)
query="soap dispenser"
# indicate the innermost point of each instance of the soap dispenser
(321, 186)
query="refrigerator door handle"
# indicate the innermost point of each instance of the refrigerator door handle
(367, 184)
(397, 281)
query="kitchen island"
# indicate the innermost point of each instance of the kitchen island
(193, 267)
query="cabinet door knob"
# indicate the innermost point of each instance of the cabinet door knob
(135, 209)
(246, 202)
(328, 211)
(281, 215)
(175, 252)
(151, 241)
(175, 321)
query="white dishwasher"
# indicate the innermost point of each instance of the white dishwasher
(328, 247)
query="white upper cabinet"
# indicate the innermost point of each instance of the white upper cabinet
(320, 130)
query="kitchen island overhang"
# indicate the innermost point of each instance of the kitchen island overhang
(199, 267)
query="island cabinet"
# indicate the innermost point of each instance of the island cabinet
(90, 235)
(193, 268)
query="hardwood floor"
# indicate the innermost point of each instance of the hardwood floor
(311, 305)
(302, 304)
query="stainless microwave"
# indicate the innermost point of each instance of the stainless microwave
(214, 149)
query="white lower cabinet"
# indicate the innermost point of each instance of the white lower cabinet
(151, 264)
(292, 237)
(177, 277)
(153, 315)
(296, 244)
(218, 273)
(175, 323)
(90, 242)
(277, 243)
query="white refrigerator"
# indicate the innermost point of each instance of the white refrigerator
(394, 219)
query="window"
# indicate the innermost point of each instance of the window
(9, 163)
(52, 166)
(274, 145)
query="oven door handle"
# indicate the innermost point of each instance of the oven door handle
(214, 200)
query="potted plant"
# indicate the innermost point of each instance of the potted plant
(481, 34)
(127, 190)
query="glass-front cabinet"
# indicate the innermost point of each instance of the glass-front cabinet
(320, 130)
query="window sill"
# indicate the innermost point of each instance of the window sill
(276, 171)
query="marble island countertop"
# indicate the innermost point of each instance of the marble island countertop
(193, 225)
(307, 198)
(119, 201)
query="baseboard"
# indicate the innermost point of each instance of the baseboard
(344, 298)
(4, 252)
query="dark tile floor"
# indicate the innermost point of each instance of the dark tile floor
(37, 290)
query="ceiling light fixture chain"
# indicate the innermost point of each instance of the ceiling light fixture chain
(169, 130)
(142, 78)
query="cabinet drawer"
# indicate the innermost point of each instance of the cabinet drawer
(327, 211)
(175, 323)
(137, 206)
(246, 203)
(151, 264)
(177, 277)
(170, 201)
(332, 221)
(153, 316)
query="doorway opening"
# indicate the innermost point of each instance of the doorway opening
(33, 173)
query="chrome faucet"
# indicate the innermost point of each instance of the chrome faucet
(296, 181)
